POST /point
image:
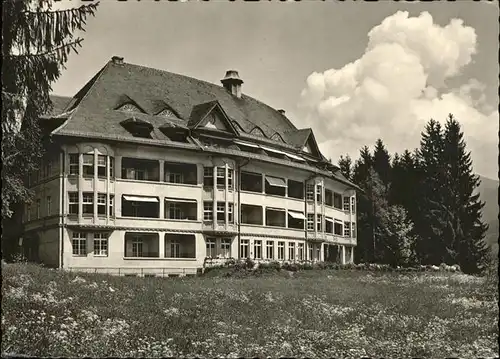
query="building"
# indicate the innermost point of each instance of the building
(150, 172)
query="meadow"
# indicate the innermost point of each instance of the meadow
(314, 313)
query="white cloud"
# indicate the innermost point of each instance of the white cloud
(396, 86)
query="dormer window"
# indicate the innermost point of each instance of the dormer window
(130, 107)
(138, 127)
(277, 137)
(166, 113)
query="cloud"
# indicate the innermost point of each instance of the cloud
(396, 86)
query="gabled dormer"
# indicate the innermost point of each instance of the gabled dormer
(257, 131)
(212, 117)
(277, 137)
(167, 111)
(311, 147)
(138, 127)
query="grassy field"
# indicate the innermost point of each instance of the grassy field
(310, 313)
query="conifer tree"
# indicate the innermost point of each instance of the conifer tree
(465, 230)
(382, 162)
(345, 164)
(36, 42)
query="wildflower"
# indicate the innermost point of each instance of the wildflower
(78, 280)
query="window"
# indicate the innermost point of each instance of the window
(208, 176)
(100, 244)
(225, 247)
(137, 247)
(175, 248)
(230, 174)
(318, 252)
(221, 211)
(291, 251)
(310, 248)
(73, 202)
(221, 177)
(208, 214)
(111, 204)
(270, 250)
(328, 197)
(88, 165)
(353, 233)
(296, 219)
(49, 205)
(328, 225)
(140, 169)
(319, 222)
(353, 204)
(244, 248)
(310, 192)
(88, 203)
(79, 243)
(257, 249)
(275, 186)
(38, 204)
(300, 254)
(251, 182)
(28, 213)
(101, 204)
(275, 217)
(347, 229)
(295, 189)
(211, 248)
(337, 200)
(251, 214)
(101, 166)
(347, 202)
(319, 193)
(310, 221)
(230, 213)
(74, 167)
(281, 251)
(174, 210)
(111, 167)
(337, 228)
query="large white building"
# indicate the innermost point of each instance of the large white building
(151, 172)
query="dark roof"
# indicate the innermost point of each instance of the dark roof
(59, 104)
(97, 101)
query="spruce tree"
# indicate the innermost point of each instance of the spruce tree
(382, 162)
(465, 230)
(36, 42)
(345, 164)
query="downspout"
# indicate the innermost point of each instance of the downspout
(62, 209)
(240, 165)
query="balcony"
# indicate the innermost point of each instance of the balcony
(140, 206)
(275, 217)
(295, 189)
(181, 173)
(251, 182)
(181, 209)
(275, 186)
(251, 214)
(180, 246)
(140, 169)
(296, 220)
(142, 245)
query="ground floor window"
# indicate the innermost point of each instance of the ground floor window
(291, 251)
(211, 247)
(180, 245)
(244, 248)
(270, 250)
(79, 243)
(300, 250)
(257, 249)
(142, 245)
(281, 251)
(101, 244)
(310, 247)
(225, 247)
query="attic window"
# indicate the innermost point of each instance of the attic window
(166, 112)
(129, 107)
(307, 149)
(257, 131)
(137, 127)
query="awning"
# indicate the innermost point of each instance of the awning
(272, 150)
(141, 199)
(329, 219)
(276, 181)
(297, 215)
(338, 221)
(275, 209)
(182, 200)
(248, 144)
(295, 157)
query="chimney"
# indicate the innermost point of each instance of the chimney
(282, 111)
(117, 60)
(232, 83)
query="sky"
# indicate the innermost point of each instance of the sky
(352, 71)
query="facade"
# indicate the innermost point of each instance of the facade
(151, 173)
